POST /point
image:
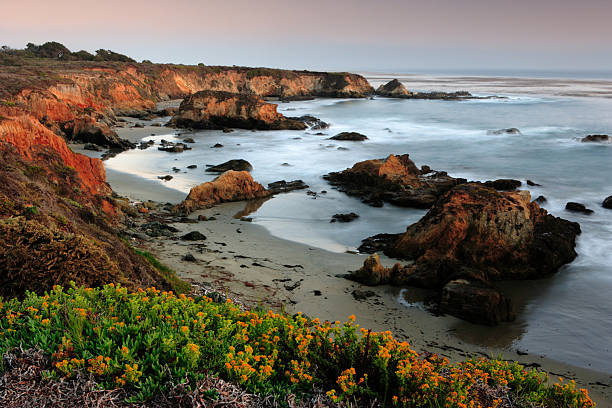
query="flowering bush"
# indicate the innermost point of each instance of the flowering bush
(145, 340)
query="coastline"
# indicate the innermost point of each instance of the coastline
(246, 261)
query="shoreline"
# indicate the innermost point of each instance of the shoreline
(252, 265)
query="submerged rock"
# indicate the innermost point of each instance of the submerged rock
(596, 139)
(236, 165)
(283, 186)
(578, 207)
(508, 131)
(344, 217)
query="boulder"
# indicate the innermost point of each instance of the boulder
(350, 136)
(607, 203)
(475, 302)
(578, 207)
(395, 179)
(222, 110)
(193, 236)
(393, 89)
(236, 165)
(92, 147)
(596, 139)
(504, 184)
(229, 186)
(283, 186)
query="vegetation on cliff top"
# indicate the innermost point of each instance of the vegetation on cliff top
(146, 341)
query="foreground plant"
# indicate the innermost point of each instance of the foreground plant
(147, 340)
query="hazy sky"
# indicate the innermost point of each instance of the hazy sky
(437, 35)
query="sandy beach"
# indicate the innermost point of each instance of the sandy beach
(244, 261)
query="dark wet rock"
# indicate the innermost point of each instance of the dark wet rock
(192, 166)
(540, 199)
(317, 292)
(350, 136)
(193, 236)
(283, 186)
(285, 164)
(596, 139)
(378, 243)
(189, 140)
(227, 130)
(189, 258)
(503, 184)
(344, 217)
(508, 131)
(157, 229)
(176, 169)
(92, 147)
(236, 165)
(395, 179)
(476, 302)
(246, 219)
(577, 207)
(533, 183)
(202, 218)
(313, 123)
(138, 125)
(167, 177)
(343, 148)
(607, 203)
(217, 146)
(362, 294)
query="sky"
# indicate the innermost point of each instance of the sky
(357, 35)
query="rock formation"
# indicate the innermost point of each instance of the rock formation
(218, 110)
(596, 139)
(229, 186)
(479, 235)
(395, 179)
(393, 89)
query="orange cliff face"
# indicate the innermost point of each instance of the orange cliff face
(30, 137)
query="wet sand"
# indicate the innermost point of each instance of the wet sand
(243, 260)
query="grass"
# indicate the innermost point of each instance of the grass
(146, 341)
(170, 276)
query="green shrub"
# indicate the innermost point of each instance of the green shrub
(145, 340)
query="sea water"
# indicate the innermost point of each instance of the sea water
(567, 317)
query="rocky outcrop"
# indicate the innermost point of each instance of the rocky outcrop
(218, 110)
(396, 180)
(480, 235)
(507, 131)
(236, 165)
(393, 89)
(350, 136)
(230, 186)
(596, 139)
(578, 207)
